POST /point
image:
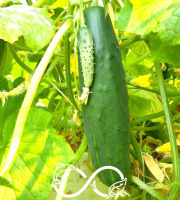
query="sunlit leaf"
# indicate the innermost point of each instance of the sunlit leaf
(40, 150)
(32, 23)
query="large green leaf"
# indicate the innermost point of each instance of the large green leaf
(32, 23)
(161, 17)
(158, 19)
(40, 150)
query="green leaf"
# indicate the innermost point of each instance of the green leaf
(161, 17)
(5, 58)
(40, 150)
(143, 103)
(32, 23)
(162, 52)
(139, 48)
(122, 18)
(5, 182)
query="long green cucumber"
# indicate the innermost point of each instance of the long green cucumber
(106, 115)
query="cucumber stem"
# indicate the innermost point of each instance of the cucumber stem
(82, 22)
(95, 3)
(26, 105)
(175, 158)
(146, 188)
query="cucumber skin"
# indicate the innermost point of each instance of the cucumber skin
(106, 115)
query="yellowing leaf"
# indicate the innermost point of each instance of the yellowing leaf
(142, 81)
(151, 140)
(60, 3)
(153, 167)
(165, 166)
(165, 148)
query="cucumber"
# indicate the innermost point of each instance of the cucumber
(106, 115)
(85, 47)
(85, 44)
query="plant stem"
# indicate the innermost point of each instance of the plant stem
(75, 70)
(156, 91)
(156, 115)
(18, 60)
(146, 188)
(172, 138)
(52, 66)
(120, 3)
(130, 41)
(80, 150)
(137, 128)
(21, 119)
(140, 59)
(67, 99)
(82, 22)
(136, 149)
(68, 73)
(95, 3)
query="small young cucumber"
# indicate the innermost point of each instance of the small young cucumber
(106, 116)
(85, 46)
